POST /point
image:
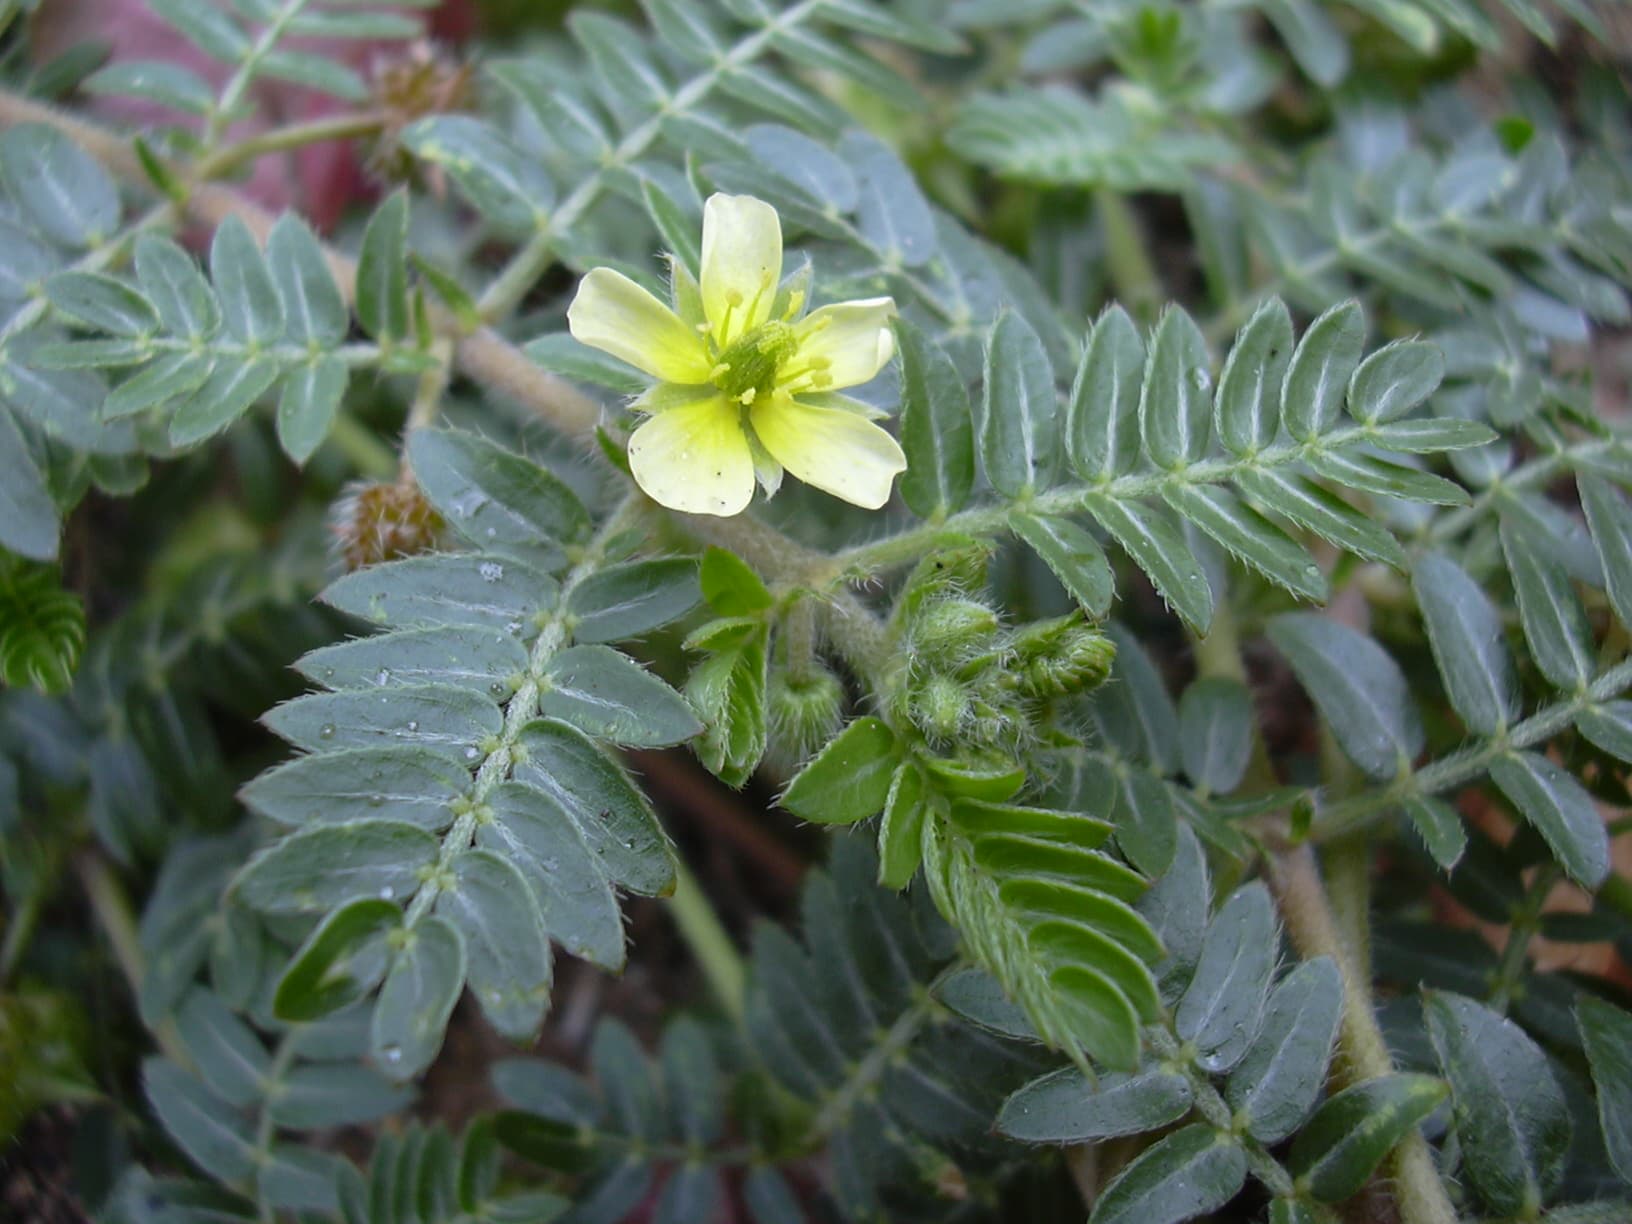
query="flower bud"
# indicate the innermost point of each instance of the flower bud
(1060, 656)
(948, 630)
(804, 712)
(382, 522)
(940, 708)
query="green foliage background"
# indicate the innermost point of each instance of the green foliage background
(1193, 773)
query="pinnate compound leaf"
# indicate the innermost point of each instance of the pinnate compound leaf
(1249, 537)
(576, 898)
(1073, 555)
(1216, 721)
(63, 191)
(616, 821)
(1158, 549)
(608, 695)
(1175, 403)
(1191, 1172)
(1102, 415)
(1394, 380)
(340, 962)
(411, 1013)
(212, 1133)
(849, 779)
(382, 272)
(1509, 1111)
(1018, 418)
(1555, 624)
(322, 866)
(1465, 632)
(1249, 389)
(507, 950)
(452, 589)
(1606, 1033)
(494, 498)
(937, 430)
(415, 785)
(1065, 1107)
(250, 304)
(28, 516)
(1279, 1080)
(1221, 1011)
(625, 601)
(1349, 1135)
(1320, 369)
(1560, 809)
(1358, 689)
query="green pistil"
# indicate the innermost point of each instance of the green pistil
(751, 364)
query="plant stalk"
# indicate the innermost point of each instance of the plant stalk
(710, 944)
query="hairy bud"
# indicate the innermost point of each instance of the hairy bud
(803, 712)
(949, 630)
(1060, 656)
(940, 708)
(382, 522)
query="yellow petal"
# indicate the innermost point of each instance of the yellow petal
(617, 316)
(837, 451)
(695, 458)
(742, 262)
(842, 345)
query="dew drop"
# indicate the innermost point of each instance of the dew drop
(383, 676)
(326, 731)
(392, 1053)
(388, 893)
(491, 532)
(1200, 378)
(328, 673)
(471, 754)
(497, 688)
(413, 725)
(376, 800)
(491, 571)
(514, 627)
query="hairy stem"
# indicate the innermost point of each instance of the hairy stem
(349, 126)
(1295, 878)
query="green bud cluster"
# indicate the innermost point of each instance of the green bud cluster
(968, 683)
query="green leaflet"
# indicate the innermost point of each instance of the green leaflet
(322, 866)
(497, 499)
(1102, 421)
(1249, 389)
(1064, 1107)
(1277, 1083)
(625, 601)
(212, 1134)
(507, 949)
(1358, 689)
(1559, 807)
(411, 1013)
(1175, 404)
(937, 432)
(1018, 432)
(1509, 1110)
(1191, 1172)
(1350, 1134)
(451, 589)
(1319, 371)
(1221, 1011)
(849, 779)
(1465, 632)
(608, 695)
(341, 961)
(1606, 1032)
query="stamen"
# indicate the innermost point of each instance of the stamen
(796, 301)
(746, 399)
(719, 372)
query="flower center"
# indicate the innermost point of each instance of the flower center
(748, 369)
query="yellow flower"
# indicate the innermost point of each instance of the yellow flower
(746, 381)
